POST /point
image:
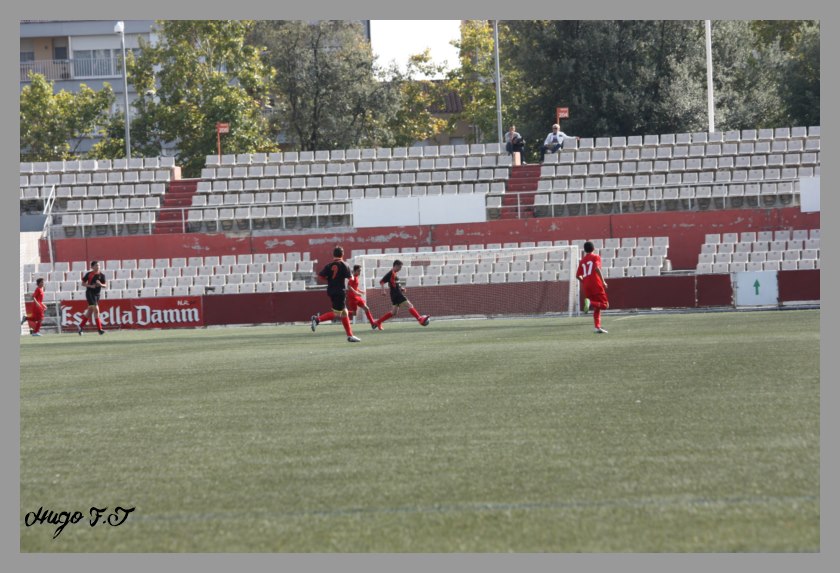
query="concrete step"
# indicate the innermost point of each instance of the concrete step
(521, 185)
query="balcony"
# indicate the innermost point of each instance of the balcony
(55, 70)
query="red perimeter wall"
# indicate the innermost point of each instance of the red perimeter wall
(685, 231)
(686, 291)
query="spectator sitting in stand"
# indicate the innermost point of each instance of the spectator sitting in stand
(554, 141)
(515, 142)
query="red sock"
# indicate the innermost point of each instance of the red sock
(414, 313)
(326, 316)
(99, 324)
(370, 316)
(384, 317)
(597, 316)
(345, 320)
(84, 322)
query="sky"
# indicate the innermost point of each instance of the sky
(398, 39)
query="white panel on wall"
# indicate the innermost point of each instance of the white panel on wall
(809, 194)
(391, 212)
(424, 210)
(442, 209)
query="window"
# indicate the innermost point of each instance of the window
(94, 63)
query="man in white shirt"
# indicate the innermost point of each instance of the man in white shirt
(553, 142)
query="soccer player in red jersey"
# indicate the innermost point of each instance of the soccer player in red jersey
(392, 282)
(356, 295)
(38, 308)
(593, 283)
(335, 274)
(94, 282)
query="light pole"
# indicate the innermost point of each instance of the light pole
(710, 88)
(498, 81)
(119, 28)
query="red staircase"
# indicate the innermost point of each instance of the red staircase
(518, 200)
(173, 209)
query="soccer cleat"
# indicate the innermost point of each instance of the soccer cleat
(23, 320)
(600, 331)
(373, 326)
(585, 306)
(426, 320)
(353, 339)
(80, 331)
(101, 332)
(313, 322)
(36, 334)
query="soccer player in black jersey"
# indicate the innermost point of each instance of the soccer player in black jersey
(336, 274)
(94, 282)
(392, 282)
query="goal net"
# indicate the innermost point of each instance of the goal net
(527, 281)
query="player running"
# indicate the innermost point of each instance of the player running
(392, 283)
(94, 282)
(593, 284)
(38, 307)
(356, 296)
(336, 273)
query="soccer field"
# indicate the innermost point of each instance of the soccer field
(673, 433)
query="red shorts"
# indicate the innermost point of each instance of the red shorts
(596, 295)
(353, 303)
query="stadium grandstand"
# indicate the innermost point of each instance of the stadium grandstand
(675, 217)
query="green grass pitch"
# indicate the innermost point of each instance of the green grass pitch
(673, 433)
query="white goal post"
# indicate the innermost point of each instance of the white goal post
(525, 281)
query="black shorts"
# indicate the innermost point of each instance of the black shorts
(338, 300)
(397, 297)
(92, 297)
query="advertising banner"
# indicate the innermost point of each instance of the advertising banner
(162, 312)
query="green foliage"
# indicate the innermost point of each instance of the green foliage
(329, 93)
(419, 97)
(799, 84)
(205, 74)
(745, 79)
(475, 81)
(637, 77)
(54, 125)
(617, 77)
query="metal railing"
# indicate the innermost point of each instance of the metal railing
(72, 69)
(86, 218)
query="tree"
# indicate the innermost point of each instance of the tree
(799, 80)
(205, 73)
(745, 79)
(413, 119)
(53, 126)
(616, 77)
(475, 79)
(330, 94)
